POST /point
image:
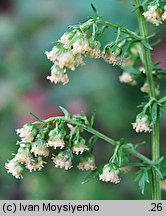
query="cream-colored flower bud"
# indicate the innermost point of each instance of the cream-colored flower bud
(35, 164)
(127, 78)
(55, 142)
(23, 155)
(111, 58)
(15, 168)
(53, 54)
(58, 75)
(86, 46)
(63, 160)
(109, 175)
(27, 133)
(145, 89)
(79, 147)
(163, 185)
(142, 123)
(87, 163)
(39, 148)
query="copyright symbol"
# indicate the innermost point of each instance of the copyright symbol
(9, 207)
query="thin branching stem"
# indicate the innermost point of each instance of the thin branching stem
(147, 63)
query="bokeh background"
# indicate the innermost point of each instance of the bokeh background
(27, 29)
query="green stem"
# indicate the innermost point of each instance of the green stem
(147, 62)
(123, 29)
(133, 151)
(115, 152)
(85, 127)
(162, 100)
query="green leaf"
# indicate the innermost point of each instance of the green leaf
(159, 160)
(94, 8)
(81, 118)
(154, 114)
(92, 175)
(124, 50)
(142, 177)
(92, 118)
(157, 170)
(139, 144)
(147, 45)
(65, 112)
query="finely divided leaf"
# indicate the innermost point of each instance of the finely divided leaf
(92, 175)
(65, 112)
(142, 178)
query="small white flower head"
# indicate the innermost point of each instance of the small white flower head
(110, 174)
(58, 75)
(63, 159)
(68, 60)
(86, 46)
(163, 185)
(23, 155)
(127, 78)
(87, 163)
(111, 58)
(39, 148)
(15, 168)
(145, 89)
(56, 142)
(27, 133)
(142, 123)
(53, 54)
(111, 54)
(56, 139)
(79, 146)
(66, 37)
(35, 164)
(153, 14)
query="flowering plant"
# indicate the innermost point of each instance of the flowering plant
(64, 135)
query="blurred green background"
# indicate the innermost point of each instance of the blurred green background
(27, 29)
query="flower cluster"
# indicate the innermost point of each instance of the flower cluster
(60, 138)
(155, 14)
(74, 45)
(142, 123)
(110, 174)
(69, 52)
(36, 142)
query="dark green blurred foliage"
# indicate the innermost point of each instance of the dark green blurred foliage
(27, 29)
